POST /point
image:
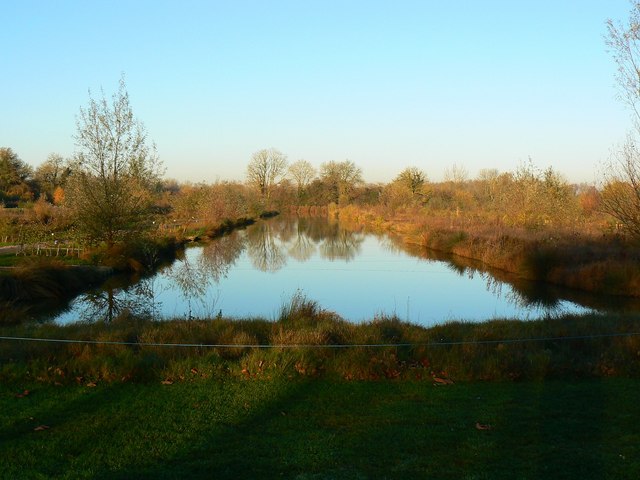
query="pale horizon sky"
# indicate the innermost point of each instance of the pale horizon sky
(479, 84)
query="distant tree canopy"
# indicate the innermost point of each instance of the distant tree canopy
(15, 178)
(51, 176)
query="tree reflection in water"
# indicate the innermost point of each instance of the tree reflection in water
(301, 246)
(219, 256)
(265, 253)
(206, 272)
(193, 283)
(118, 296)
(269, 242)
(341, 244)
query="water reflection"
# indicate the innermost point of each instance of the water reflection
(341, 244)
(358, 275)
(266, 254)
(521, 293)
(219, 256)
(117, 296)
(302, 246)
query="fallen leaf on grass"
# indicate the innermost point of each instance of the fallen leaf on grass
(167, 382)
(194, 371)
(483, 426)
(41, 428)
(442, 381)
(91, 384)
(23, 394)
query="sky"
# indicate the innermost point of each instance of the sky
(385, 84)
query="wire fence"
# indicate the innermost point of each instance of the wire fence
(324, 346)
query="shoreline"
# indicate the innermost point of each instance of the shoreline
(608, 266)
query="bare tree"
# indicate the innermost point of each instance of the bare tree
(456, 174)
(623, 41)
(621, 190)
(265, 170)
(302, 173)
(114, 168)
(340, 178)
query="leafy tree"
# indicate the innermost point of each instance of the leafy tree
(58, 196)
(51, 175)
(265, 170)
(114, 169)
(15, 176)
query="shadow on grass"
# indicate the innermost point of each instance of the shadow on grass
(323, 429)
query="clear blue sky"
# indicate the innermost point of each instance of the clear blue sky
(386, 84)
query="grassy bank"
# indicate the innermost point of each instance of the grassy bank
(603, 264)
(307, 341)
(309, 395)
(321, 429)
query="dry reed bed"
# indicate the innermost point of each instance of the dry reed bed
(603, 264)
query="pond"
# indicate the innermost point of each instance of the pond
(254, 272)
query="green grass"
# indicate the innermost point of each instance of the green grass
(8, 260)
(317, 429)
(557, 409)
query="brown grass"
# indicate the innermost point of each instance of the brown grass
(600, 263)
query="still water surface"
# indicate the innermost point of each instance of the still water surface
(253, 272)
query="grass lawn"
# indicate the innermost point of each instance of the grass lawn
(8, 259)
(319, 428)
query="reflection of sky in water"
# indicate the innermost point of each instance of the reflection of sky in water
(365, 278)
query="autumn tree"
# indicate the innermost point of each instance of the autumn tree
(114, 169)
(340, 178)
(51, 175)
(302, 173)
(537, 197)
(405, 190)
(413, 179)
(265, 170)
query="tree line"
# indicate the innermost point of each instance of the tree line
(113, 189)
